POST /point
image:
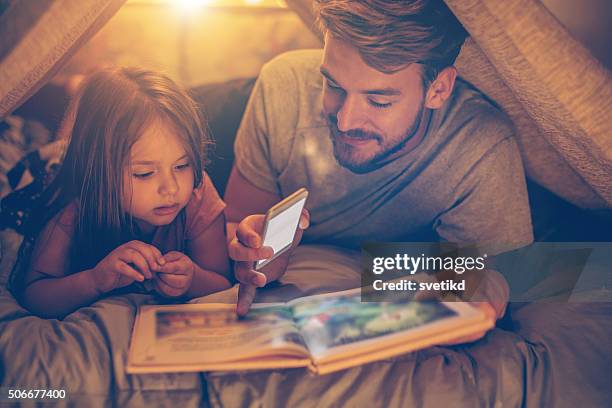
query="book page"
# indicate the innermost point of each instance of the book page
(341, 325)
(213, 334)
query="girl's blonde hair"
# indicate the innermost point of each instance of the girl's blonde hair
(111, 111)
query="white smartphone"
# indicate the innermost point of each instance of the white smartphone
(281, 223)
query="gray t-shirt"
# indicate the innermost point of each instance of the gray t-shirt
(463, 183)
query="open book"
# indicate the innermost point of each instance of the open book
(324, 332)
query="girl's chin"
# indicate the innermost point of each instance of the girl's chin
(160, 220)
(149, 223)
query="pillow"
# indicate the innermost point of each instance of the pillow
(222, 105)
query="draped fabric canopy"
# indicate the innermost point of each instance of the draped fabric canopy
(557, 94)
(38, 36)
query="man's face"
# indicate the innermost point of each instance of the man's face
(371, 114)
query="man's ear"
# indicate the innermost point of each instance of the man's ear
(441, 88)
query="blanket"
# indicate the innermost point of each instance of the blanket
(545, 353)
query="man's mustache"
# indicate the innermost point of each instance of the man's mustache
(353, 133)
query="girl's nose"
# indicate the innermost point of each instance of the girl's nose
(169, 185)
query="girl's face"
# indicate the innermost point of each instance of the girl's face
(158, 180)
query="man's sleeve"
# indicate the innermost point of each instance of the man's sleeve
(491, 210)
(252, 147)
(491, 207)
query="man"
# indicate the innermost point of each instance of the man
(391, 145)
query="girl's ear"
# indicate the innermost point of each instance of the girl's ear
(198, 181)
(441, 88)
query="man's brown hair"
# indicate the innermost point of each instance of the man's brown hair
(392, 34)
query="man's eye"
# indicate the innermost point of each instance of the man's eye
(143, 174)
(379, 105)
(183, 166)
(333, 86)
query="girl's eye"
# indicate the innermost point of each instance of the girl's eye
(379, 105)
(143, 175)
(183, 166)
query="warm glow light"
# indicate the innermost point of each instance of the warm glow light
(191, 5)
(253, 2)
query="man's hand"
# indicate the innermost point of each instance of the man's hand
(246, 248)
(174, 277)
(490, 301)
(489, 311)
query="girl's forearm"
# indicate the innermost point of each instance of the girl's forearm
(57, 297)
(205, 282)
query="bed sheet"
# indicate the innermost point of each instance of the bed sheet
(548, 354)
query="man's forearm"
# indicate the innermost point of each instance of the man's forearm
(487, 285)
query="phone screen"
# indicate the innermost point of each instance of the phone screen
(280, 230)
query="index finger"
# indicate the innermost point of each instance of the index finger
(124, 269)
(239, 252)
(152, 255)
(247, 235)
(173, 256)
(245, 274)
(130, 255)
(179, 267)
(246, 294)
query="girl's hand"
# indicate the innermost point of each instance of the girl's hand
(132, 261)
(174, 278)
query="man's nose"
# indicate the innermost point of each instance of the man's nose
(169, 185)
(349, 115)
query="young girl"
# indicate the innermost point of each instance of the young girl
(130, 203)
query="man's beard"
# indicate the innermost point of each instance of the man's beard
(345, 154)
